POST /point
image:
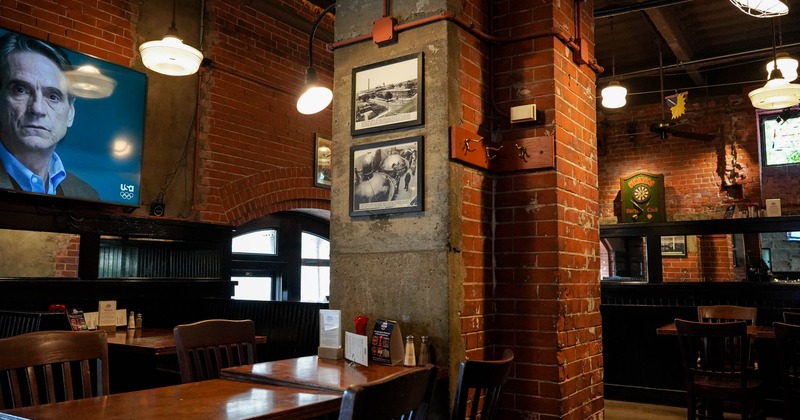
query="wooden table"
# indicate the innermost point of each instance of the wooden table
(213, 399)
(753, 331)
(312, 372)
(149, 341)
(144, 358)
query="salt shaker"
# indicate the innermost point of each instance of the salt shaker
(131, 321)
(410, 358)
(424, 351)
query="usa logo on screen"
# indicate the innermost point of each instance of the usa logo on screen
(126, 191)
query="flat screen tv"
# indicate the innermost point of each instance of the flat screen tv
(780, 137)
(103, 144)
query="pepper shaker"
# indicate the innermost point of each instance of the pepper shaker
(424, 351)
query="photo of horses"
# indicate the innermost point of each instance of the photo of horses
(386, 177)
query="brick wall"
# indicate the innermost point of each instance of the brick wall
(250, 127)
(697, 174)
(531, 265)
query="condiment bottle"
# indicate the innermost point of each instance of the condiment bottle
(139, 321)
(410, 358)
(131, 321)
(424, 351)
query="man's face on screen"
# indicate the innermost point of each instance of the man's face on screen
(35, 107)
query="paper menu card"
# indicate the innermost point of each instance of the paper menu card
(330, 327)
(107, 313)
(387, 343)
(355, 348)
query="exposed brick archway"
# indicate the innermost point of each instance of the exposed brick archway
(271, 191)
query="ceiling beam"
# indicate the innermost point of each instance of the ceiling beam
(290, 17)
(669, 29)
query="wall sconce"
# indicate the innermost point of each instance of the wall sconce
(762, 8)
(314, 98)
(170, 55)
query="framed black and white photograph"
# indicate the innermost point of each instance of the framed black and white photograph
(322, 161)
(386, 177)
(673, 246)
(387, 95)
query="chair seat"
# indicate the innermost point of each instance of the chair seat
(719, 388)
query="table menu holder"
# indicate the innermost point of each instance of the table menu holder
(330, 336)
(386, 346)
(107, 315)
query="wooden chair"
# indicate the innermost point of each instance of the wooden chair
(791, 317)
(787, 338)
(50, 366)
(205, 347)
(404, 395)
(727, 313)
(715, 360)
(485, 380)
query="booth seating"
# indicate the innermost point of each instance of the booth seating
(20, 322)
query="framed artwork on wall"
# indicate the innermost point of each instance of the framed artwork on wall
(387, 95)
(673, 246)
(387, 177)
(322, 161)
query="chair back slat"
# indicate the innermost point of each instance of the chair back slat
(791, 317)
(404, 395)
(52, 366)
(727, 313)
(479, 387)
(206, 347)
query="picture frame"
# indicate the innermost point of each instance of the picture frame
(387, 177)
(673, 246)
(322, 161)
(387, 95)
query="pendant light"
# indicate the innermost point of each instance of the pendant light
(778, 93)
(314, 98)
(614, 94)
(762, 8)
(170, 55)
(87, 82)
(786, 64)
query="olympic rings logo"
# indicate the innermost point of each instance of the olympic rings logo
(126, 195)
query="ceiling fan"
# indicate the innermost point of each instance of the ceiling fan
(665, 127)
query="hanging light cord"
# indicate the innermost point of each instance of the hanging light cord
(174, 5)
(613, 52)
(314, 31)
(776, 72)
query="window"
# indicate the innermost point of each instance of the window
(315, 283)
(284, 256)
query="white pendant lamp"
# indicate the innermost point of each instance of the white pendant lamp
(762, 8)
(170, 55)
(87, 82)
(777, 93)
(314, 98)
(614, 94)
(786, 64)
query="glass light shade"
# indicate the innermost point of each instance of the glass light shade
(314, 99)
(787, 65)
(614, 95)
(776, 94)
(88, 82)
(170, 56)
(762, 8)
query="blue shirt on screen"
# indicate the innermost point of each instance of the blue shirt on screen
(29, 181)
